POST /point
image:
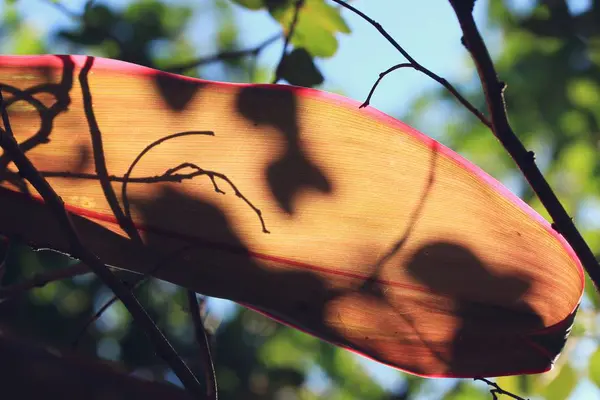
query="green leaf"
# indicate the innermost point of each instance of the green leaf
(593, 296)
(283, 351)
(251, 4)
(584, 92)
(318, 23)
(562, 386)
(298, 69)
(28, 41)
(466, 391)
(347, 374)
(594, 369)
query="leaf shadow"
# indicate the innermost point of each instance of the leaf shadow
(277, 108)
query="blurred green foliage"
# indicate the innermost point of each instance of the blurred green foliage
(316, 28)
(550, 59)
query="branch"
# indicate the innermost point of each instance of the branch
(413, 64)
(202, 339)
(171, 175)
(494, 94)
(200, 331)
(133, 286)
(226, 55)
(497, 390)
(78, 250)
(288, 37)
(381, 76)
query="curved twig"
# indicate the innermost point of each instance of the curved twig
(414, 64)
(226, 55)
(126, 208)
(132, 286)
(381, 76)
(288, 38)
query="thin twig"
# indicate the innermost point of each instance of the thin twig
(42, 279)
(494, 94)
(133, 286)
(497, 390)
(288, 38)
(226, 55)
(381, 76)
(124, 197)
(78, 250)
(210, 376)
(171, 175)
(416, 65)
(101, 311)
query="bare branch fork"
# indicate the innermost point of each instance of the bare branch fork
(28, 171)
(288, 37)
(412, 63)
(497, 390)
(226, 55)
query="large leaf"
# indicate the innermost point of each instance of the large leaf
(381, 240)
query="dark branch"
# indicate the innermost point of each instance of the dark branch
(211, 174)
(288, 38)
(226, 55)
(142, 154)
(80, 251)
(171, 175)
(497, 390)
(414, 64)
(494, 94)
(210, 376)
(381, 76)
(133, 286)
